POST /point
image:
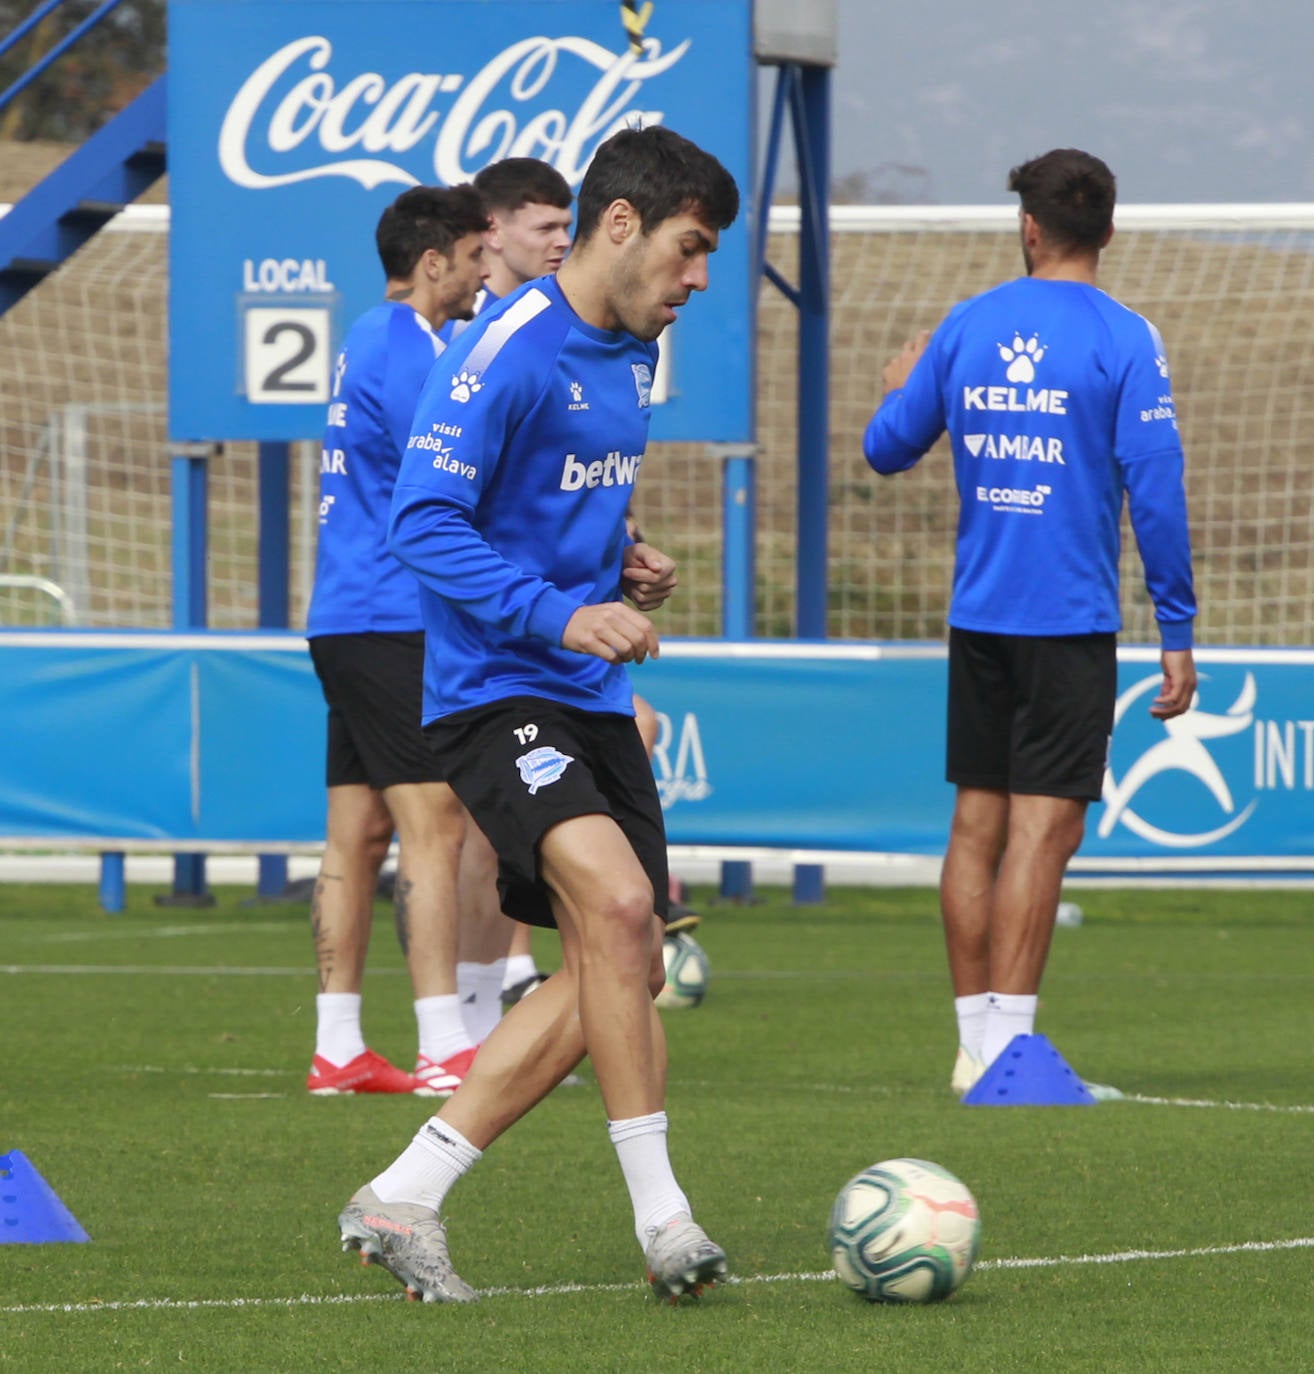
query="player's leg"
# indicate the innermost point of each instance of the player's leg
(431, 825)
(1065, 689)
(979, 712)
(359, 832)
(485, 936)
(341, 913)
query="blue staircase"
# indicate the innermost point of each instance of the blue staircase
(58, 215)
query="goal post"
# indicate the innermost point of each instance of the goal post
(1231, 289)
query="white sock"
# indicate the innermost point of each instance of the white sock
(441, 1026)
(1009, 1014)
(971, 1012)
(479, 986)
(427, 1168)
(518, 968)
(640, 1145)
(337, 1027)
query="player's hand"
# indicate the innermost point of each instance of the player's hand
(899, 368)
(647, 576)
(1179, 683)
(611, 631)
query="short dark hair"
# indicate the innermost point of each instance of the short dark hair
(427, 217)
(660, 174)
(1070, 195)
(515, 181)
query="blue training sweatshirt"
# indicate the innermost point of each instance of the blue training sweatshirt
(359, 586)
(1057, 400)
(510, 504)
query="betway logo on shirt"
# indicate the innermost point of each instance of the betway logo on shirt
(611, 471)
(300, 115)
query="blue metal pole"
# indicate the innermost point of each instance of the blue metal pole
(190, 474)
(113, 888)
(273, 610)
(738, 579)
(811, 107)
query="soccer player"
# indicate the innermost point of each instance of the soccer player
(510, 510)
(367, 644)
(529, 213)
(1057, 402)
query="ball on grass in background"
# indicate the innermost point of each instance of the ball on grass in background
(686, 973)
(904, 1230)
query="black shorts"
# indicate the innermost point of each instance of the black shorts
(524, 764)
(1031, 713)
(374, 687)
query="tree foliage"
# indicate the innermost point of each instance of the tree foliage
(90, 82)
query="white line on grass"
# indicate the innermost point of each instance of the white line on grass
(70, 937)
(1228, 1106)
(566, 1289)
(205, 1073)
(171, 970)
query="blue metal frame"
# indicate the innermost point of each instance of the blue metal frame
(190, 557)
(56, 52)
(273, 609)
(805, 92)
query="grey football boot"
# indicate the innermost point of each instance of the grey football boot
(681, 1259)
(408, 1241)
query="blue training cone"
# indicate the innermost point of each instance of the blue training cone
(30, 1210)
(1029, 1073)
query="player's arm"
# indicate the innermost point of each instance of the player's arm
(451, 456)
(911, 417)
(1149, 453)
(1148, 449)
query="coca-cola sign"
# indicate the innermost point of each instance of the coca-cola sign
(294, 123)
(301, 115)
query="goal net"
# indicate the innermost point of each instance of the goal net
(85, 473)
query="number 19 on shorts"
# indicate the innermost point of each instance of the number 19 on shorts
(286, 354)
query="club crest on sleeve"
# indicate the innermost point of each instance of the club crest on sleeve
(642, 383)
(464, 385)
(542, 766)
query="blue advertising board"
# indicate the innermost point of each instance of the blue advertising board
(293, 124)
(216, 740)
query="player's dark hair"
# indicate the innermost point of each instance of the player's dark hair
(660, 174)
(426, 217)
(1070, 195)
(515, 181)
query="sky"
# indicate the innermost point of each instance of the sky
(1186, 100)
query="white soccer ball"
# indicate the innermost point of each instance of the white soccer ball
(686, 972)
(904, 1230)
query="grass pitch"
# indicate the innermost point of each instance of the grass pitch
(152, 1069)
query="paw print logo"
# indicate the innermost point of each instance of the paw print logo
(464, 385)
(1162, 364)
(576, 391)
(1022, 358)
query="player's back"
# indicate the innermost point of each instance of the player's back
(359, 586)
(1048, 388)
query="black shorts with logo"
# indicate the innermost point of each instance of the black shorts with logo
(1031, 713)
(524, 764)
(374, 686)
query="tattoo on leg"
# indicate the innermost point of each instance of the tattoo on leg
(401, 910)
(323, 945)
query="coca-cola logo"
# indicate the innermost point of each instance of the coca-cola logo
(294, 119)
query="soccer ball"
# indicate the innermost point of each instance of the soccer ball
(904, 1230)
(686, 972)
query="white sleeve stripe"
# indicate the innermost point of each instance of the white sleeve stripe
(497, 334)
